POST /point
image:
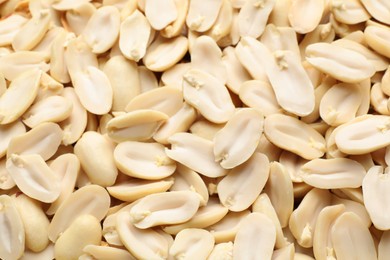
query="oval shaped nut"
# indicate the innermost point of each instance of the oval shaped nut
(253, 17)
(143, 160)
(359, 244)
(363, 135)
(44, 46)
(279, 188)
(102, 29)
(50, 109)
(179, 122)
(58, 67)
(222, 251)
(192, 243)
(134, 48)
(208, 95)
(355, 207)
(333, 173)
(84, 230)
(6, 181)
(19, 96)
(8, 132)
(236, 142)
(349, 12)
(222, 25)
(94, 90)
(167, 100)
(205, 129)
(138, 125)
(322, 244)
(379, 9)
(259, 95)
(248, 54)
(280, 38)
(9, 27)
(201, 17)
(142, 243)
(264, 205)
(244, 183)
(78, 17)
(63, 5)
(375, 188)
(135, 189)
(294, 135)
(323, 33)
(341, 63)
(303, 220)
(106, 252)
(160, 13)
(189, 149)
(34, 177)
(91, 199)
(43, 140)
(124, 79)
(340, 103)
(163, 53)
(173, 29)
(255, 238)
(378, 38)
(35, 222)
(93, 146)
(12, 235)
(305, 15)
(32, 32)
(384, 246)
(204, 217)
(164, 208)
(379, 100)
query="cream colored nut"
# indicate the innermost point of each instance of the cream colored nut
(294, 135)
(67, 167)
(355, 207)
(226, 229)
(91, 199)
(208, 95)
(340, 103)
(106, 252)
(84, 230)
(204, 217)
(7, 133)
(192, 243)
(160, 13)
(333, 173)
(205, 129)
(255, 238)
(364, 134)
(179, 122)
(94, 90)
(259, 95)
(201, 17)
(222, 251)
(35, 222)
(322, 33)
(383, 247)
(196, 153)
(9, 27)
(43, 140)
(173, 77)
(266, 147)
(305, 15)
(142, 243)
(102, 29)
(124, 79)
(223, 23)
(343, 29)
(280, 38)
(175, 27)
(135, 189)
(243, 184)
(349, 12)
(78, 16)
(234, 144)
(378, 38)
(138, 125)
(48, 87)
(47, 253)
(359, 245)
(45, 45)
(379, 100)
(322, 243)
(32, 32)
(134, 48)
(303, 220)
(341, 63)
(187, 179)
(93, 146)
(207, 56)
(287, 252)
(385, 82)
(147, 79)
(6, 181)
(143, 160)
(374, 190)
(379, 9)
(19, 96)
(293, 164)
(164, 208)
(253, 17)
(12, 235)
(279, 188)
(167, 100)
(63, 5)
(263, 205)
(58, 67)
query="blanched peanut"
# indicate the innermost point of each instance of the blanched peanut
(9, 27)
(305, 15)
(222, 251)
(7, 133)
(106, 252)
(201, 17)
(379, 9)
(383, 247)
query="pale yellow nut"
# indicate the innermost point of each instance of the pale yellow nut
(378, 38)
(58, 67)
(78, 17)
(355, 207)
(201, 17)
(107, 252)
(160, 13)
(292, 163)
(379, 9)
(175, 27)
(6, 181)
(222, 251)
(7, 133)
(9, 27)
(205, 129)
(383, 247)
(305, 15)
(63, 5)
(223, 23)
(280, 38)
(349, 12)
(47, 253)
(45, 45)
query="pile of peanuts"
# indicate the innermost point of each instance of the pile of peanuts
(194, 129)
